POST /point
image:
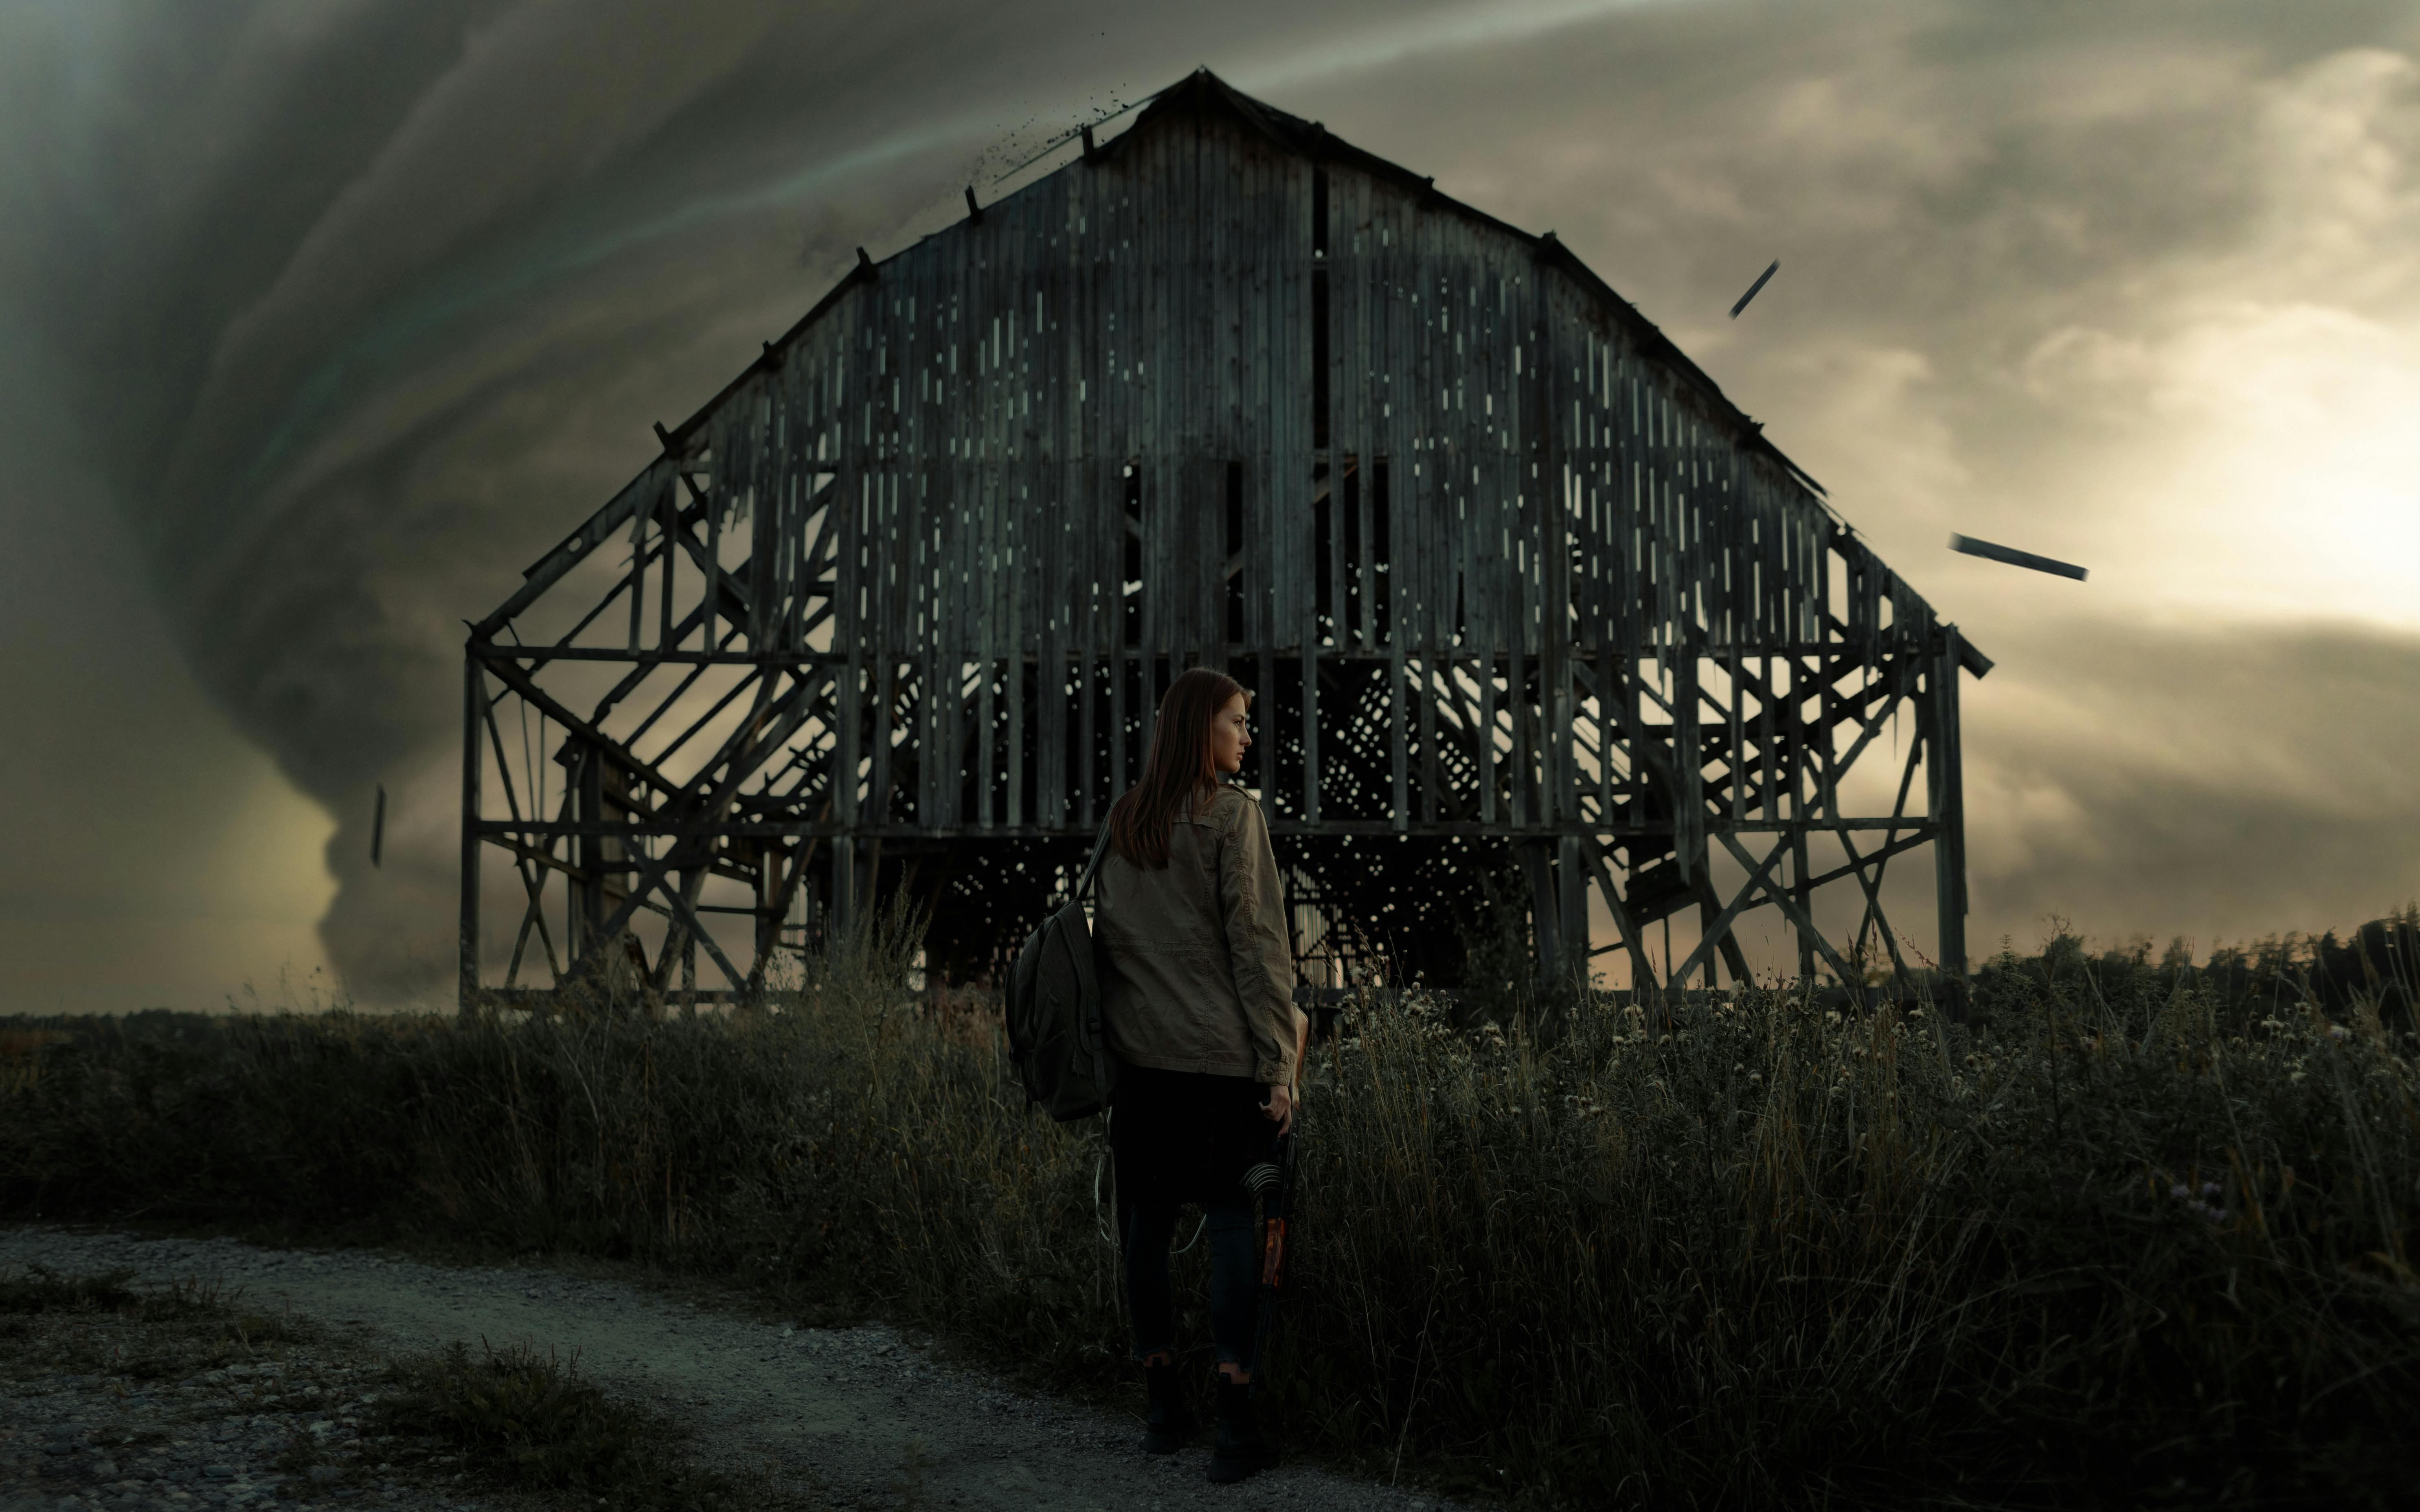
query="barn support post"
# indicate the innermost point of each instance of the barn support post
(1810, 698)
(1545, 909)
(1802, 894)
(1571, 888)
(475, 713)
(588, 943)
(1708, 910)
(844, 885)
(1726, 939)
(1949, 810)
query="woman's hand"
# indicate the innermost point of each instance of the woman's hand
(1280, 1107)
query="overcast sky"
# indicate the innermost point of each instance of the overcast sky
(318, 320)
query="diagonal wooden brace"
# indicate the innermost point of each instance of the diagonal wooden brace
(1796, 915)
(1720, 928)
(687, 914)
(1626, 926)
(701, 812)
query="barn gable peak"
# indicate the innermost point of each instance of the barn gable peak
(1204, 92)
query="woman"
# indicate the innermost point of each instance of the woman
(1198, 993)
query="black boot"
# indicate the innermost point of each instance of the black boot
(1244, 1446)
(1170, 1422)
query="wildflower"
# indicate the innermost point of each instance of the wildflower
(2337, 1031)
(2180, 1192)
(2211, 1189)
(1831, 1016)
(1916, 1012)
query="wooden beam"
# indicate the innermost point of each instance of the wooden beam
(1873, 889)
(1797, 915)
(595, 739)
(1720, 928)
(695, 814)
(684, 911)
(475, 704)
(575, 548)
(1626, 927)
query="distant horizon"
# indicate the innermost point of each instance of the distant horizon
(247, 999)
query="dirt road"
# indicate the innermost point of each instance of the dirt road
(873, 1421)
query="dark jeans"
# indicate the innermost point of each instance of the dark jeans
(1185, 1138)
(1235, 1280)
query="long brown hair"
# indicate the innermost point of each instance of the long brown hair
(1178, 773)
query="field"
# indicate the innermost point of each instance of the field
(2129, 1233)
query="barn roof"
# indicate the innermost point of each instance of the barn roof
(1205, 90)
(1312, 139)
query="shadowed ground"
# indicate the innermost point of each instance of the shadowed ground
(860, 1413)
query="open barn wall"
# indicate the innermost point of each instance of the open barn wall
(1519, 593)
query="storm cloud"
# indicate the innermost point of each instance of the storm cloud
(323, 320)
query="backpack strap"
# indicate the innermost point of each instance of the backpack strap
(1100, 848)
(1092, 1026)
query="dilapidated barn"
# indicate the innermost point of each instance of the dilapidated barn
(1532, 612)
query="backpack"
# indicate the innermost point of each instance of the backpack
(1054, 1011)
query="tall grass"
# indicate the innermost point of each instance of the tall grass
(2113, 1239)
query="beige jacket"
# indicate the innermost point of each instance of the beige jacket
(1201, 973)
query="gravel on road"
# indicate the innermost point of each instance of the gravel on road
(861, 1417)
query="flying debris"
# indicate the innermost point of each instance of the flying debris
(1084, 131)
(1761, 279)
(2013, 557)
(377, 826)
